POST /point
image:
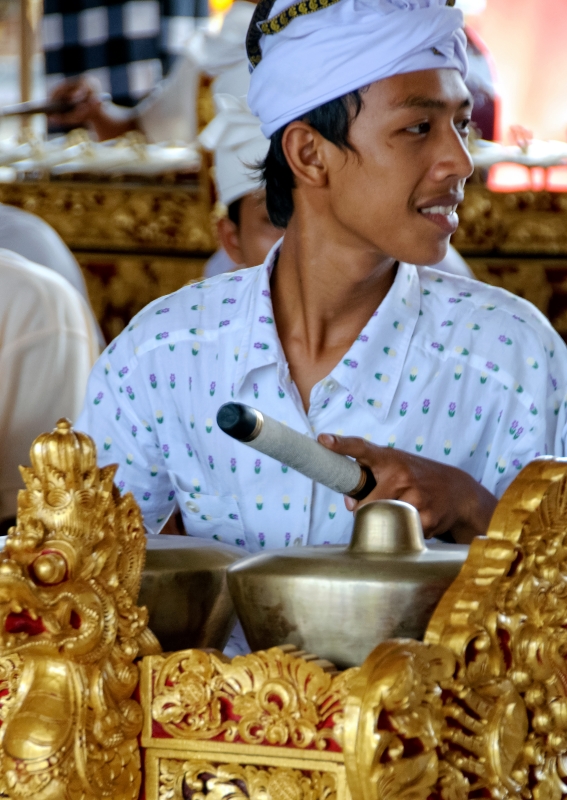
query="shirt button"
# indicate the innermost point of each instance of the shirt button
(192, 506)
(330, 385)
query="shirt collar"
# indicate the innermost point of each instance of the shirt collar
(372, 368)
(260, 344)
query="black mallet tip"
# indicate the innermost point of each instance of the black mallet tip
(237, 420)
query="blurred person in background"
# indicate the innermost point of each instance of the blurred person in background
(169, 112)
(127, 44)
(48, 344)
(244, 229)
(35, 240)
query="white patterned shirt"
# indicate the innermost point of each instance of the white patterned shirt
(447, 367)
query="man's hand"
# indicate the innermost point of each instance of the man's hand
(448, 499)
(91, 109)
(83, 94)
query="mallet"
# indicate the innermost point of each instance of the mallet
(300, 452)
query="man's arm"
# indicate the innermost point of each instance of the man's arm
(448, 499)
(91, 110)
(117, 416)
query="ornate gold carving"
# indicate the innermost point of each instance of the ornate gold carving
(525, 278)
(70, 629)
(270, 697)
(205, 106)
(121, 217)
(200, 778)
(394, 719)
(480, 708)
(121, 285)
(512, 222)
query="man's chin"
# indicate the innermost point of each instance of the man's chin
(424, 256)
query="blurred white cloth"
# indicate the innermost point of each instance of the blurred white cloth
(31, 237)
(48, 344)
(218, 263)
(34, 239)
(169, 113)
(454, 264)
(237, 644)
(238, 144)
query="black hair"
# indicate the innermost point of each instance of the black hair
(332, 120)
(233, 212)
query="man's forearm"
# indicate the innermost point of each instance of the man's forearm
(109, 121)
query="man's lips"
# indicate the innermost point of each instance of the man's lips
(442, 212)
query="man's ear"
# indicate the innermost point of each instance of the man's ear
(229, 237)
(304, 149)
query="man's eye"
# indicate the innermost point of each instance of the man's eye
(464, 126)
(422, 127)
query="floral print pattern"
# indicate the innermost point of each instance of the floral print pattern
(481, 388)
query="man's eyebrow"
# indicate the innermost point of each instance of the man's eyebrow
(422, 101)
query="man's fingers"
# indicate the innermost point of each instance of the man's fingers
(350, 503)
(351, 446)
(433, 519)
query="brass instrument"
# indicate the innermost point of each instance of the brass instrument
(185, 591)
(340, 602)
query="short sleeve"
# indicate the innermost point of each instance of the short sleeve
(115, 415)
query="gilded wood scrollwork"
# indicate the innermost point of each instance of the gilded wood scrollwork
(70, 630)
(480, 708)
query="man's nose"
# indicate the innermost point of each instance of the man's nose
(453, 158)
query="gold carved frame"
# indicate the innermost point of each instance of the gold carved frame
(476, 710)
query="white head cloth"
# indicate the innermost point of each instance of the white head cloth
(213, 53)
(238, 142)
(325, 54)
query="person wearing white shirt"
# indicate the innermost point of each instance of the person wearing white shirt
(31, 237)
(244, 229)
(48, 344)
(443, 386)
(35, 240)
(169, 113)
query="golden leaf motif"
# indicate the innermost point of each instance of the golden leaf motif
(480, 708)
(274, 698)
(394, 719)
(70, 630)
(199, 779)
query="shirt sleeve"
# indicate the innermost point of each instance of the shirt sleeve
(116, 415)
(533, 416)
(169, 113)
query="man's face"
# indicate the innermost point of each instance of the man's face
(248, 243)
(398, 192)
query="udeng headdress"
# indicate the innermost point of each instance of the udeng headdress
(313, 51)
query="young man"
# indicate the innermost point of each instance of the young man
(443, 386)
(246, 233)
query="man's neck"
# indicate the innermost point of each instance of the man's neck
(324, 291)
